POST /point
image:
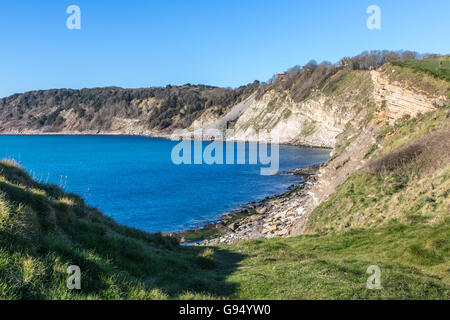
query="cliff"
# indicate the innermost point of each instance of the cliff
(382, 198)
(323, 106)
(148, 111)
(388, 103)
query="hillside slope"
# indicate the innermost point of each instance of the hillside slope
(310, 106)
(149, 111)
(43, 231)
(382, 199)
(380, 101)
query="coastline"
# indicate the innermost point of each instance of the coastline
(87, 133)
(151, 134)
(251, 212)
(227, 223)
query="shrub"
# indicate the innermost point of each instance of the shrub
(420, 155)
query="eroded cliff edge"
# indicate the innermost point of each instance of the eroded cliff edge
(362, 111)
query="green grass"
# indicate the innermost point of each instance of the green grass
(201, 235)
(43, 231)
(431, 77)
(371, 151)
(414, 128)
(414, 262)
(396, 220)
(370, 199)
(366, 201)
(436, 68)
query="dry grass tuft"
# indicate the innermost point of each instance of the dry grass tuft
(423, 154)
(11, 163)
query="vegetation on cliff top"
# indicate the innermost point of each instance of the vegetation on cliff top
(430, 77)
(301, 81)
(96, 109)
(439, 68)
(174, 107)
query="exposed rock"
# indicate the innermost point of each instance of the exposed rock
(234, 226)
(270, 229)
(287, 215)
(261, 210)
(395, 101)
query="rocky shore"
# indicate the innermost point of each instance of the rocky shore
(264, 218)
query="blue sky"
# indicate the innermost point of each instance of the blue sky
(225, 43)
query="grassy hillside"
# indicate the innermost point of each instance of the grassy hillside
(414, 263)
(439, 68)
(393, 213)
(430, 76)
(407, 179)
(43, 231)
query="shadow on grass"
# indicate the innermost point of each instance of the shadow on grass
(207, 275)
(116, 262)
(181, 273)
(43, 231)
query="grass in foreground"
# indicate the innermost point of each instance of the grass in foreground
(414, 262)
(43, 231)
(403, 208)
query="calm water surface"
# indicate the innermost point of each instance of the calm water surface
(133, 180)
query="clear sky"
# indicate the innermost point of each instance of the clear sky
(137, 43)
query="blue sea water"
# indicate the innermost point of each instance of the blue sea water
(134, 181)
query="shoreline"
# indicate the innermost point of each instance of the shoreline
(254, 210)
(156, 136)
(228, 221)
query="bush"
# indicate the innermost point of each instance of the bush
(420, 155)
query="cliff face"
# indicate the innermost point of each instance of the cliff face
(149, 111)
(276, 115)
(309, 123)
(395, 101)
(315, 121)
(357, 135)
